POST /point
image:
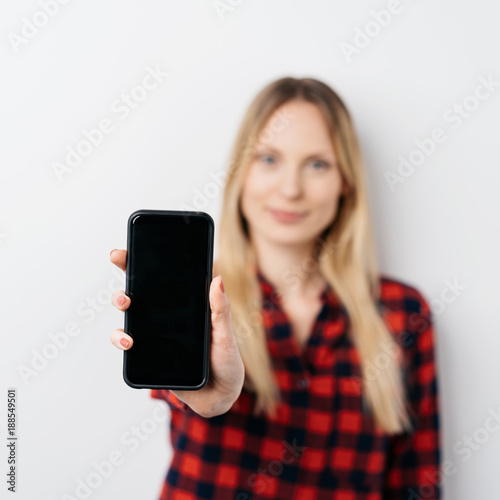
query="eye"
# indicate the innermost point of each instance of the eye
(319, 164)
(267, 159)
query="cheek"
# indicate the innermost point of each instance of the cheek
(250, 193)
(325, 196)
(255, 185)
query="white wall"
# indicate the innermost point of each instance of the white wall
(439, 225)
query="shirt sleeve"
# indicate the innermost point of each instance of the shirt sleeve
(413, 463)
(173, 401)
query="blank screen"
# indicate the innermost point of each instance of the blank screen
(167, 278)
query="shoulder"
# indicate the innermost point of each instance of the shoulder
(402, 296)
(408, 315)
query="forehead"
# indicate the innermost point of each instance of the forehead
(297, 126)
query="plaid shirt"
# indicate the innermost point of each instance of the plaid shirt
(323, 444)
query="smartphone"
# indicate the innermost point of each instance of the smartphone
(168, 276)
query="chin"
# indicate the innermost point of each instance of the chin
(288, 236)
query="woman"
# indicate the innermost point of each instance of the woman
(323, 380)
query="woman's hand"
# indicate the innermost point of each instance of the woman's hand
(227, 370)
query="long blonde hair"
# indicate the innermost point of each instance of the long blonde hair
(345, 253)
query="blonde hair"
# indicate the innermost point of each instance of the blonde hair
(345, 254)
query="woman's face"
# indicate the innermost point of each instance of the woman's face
(292, 186)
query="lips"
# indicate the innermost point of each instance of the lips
(284, 216)
(290, 214)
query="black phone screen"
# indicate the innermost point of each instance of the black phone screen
(169, 271)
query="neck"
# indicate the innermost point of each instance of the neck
(292, 270)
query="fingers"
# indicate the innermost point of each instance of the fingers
(120, 300)
(219, 303)
(121, 340)
(119, 258)
(222, 333)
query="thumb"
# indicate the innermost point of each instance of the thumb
(221, 313)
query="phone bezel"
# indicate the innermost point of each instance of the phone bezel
(208, 329)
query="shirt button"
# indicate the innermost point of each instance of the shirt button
(302, 383)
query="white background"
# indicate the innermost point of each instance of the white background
(439, 226)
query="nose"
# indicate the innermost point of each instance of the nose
(291, 182)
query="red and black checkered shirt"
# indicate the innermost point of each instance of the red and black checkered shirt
(323, 444)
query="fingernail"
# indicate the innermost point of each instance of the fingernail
(124, 342)
(121, 300)
(221, 284)
(111, 253)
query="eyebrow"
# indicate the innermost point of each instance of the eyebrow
(270, 149)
